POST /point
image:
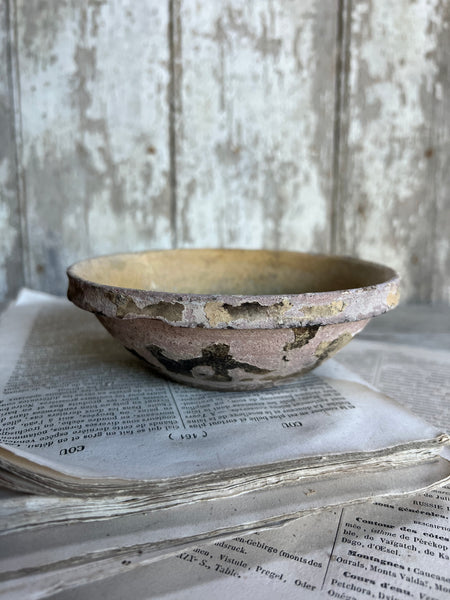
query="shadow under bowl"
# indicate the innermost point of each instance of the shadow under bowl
(232, 319)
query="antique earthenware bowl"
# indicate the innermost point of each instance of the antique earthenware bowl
(232, 319)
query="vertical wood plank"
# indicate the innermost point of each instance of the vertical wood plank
(388, 173)
(438, 154)
(94, 80)
(254, 106)
(11, 271)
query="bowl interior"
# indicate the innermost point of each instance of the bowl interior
(242, 272)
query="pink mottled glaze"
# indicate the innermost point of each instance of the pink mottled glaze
(227, 339)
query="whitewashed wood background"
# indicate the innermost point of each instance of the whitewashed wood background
(297, 124)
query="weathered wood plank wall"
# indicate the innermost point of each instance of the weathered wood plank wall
(254, 122)
(394, 181)
(306, 125)
(11, 250)
(93, 83)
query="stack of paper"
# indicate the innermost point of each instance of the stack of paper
(122, 468)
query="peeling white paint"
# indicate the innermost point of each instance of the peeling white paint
(8, 237)
(10, 234)
(254, 119)
(94, 79)
(392, 71)
(248, 165)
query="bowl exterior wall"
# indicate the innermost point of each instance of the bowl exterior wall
(229, 359)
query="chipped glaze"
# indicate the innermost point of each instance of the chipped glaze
(232, 340)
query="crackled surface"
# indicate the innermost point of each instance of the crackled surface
(241, 289)
(232, 340)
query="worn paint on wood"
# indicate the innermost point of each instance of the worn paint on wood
(94, 82)
(254, 123)
(438, 154)
(129, 125)
(396, 79)
(11, 273)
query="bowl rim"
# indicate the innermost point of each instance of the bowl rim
(209, 310)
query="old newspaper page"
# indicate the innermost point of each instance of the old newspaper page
(387, 549)
(314, 555)
(81, 415)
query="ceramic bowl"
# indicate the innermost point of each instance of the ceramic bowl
(232, 319)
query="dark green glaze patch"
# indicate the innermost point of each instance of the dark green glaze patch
(327, 349)
(302, 335)
(126, 306)
(215, 356)
(252, 310)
